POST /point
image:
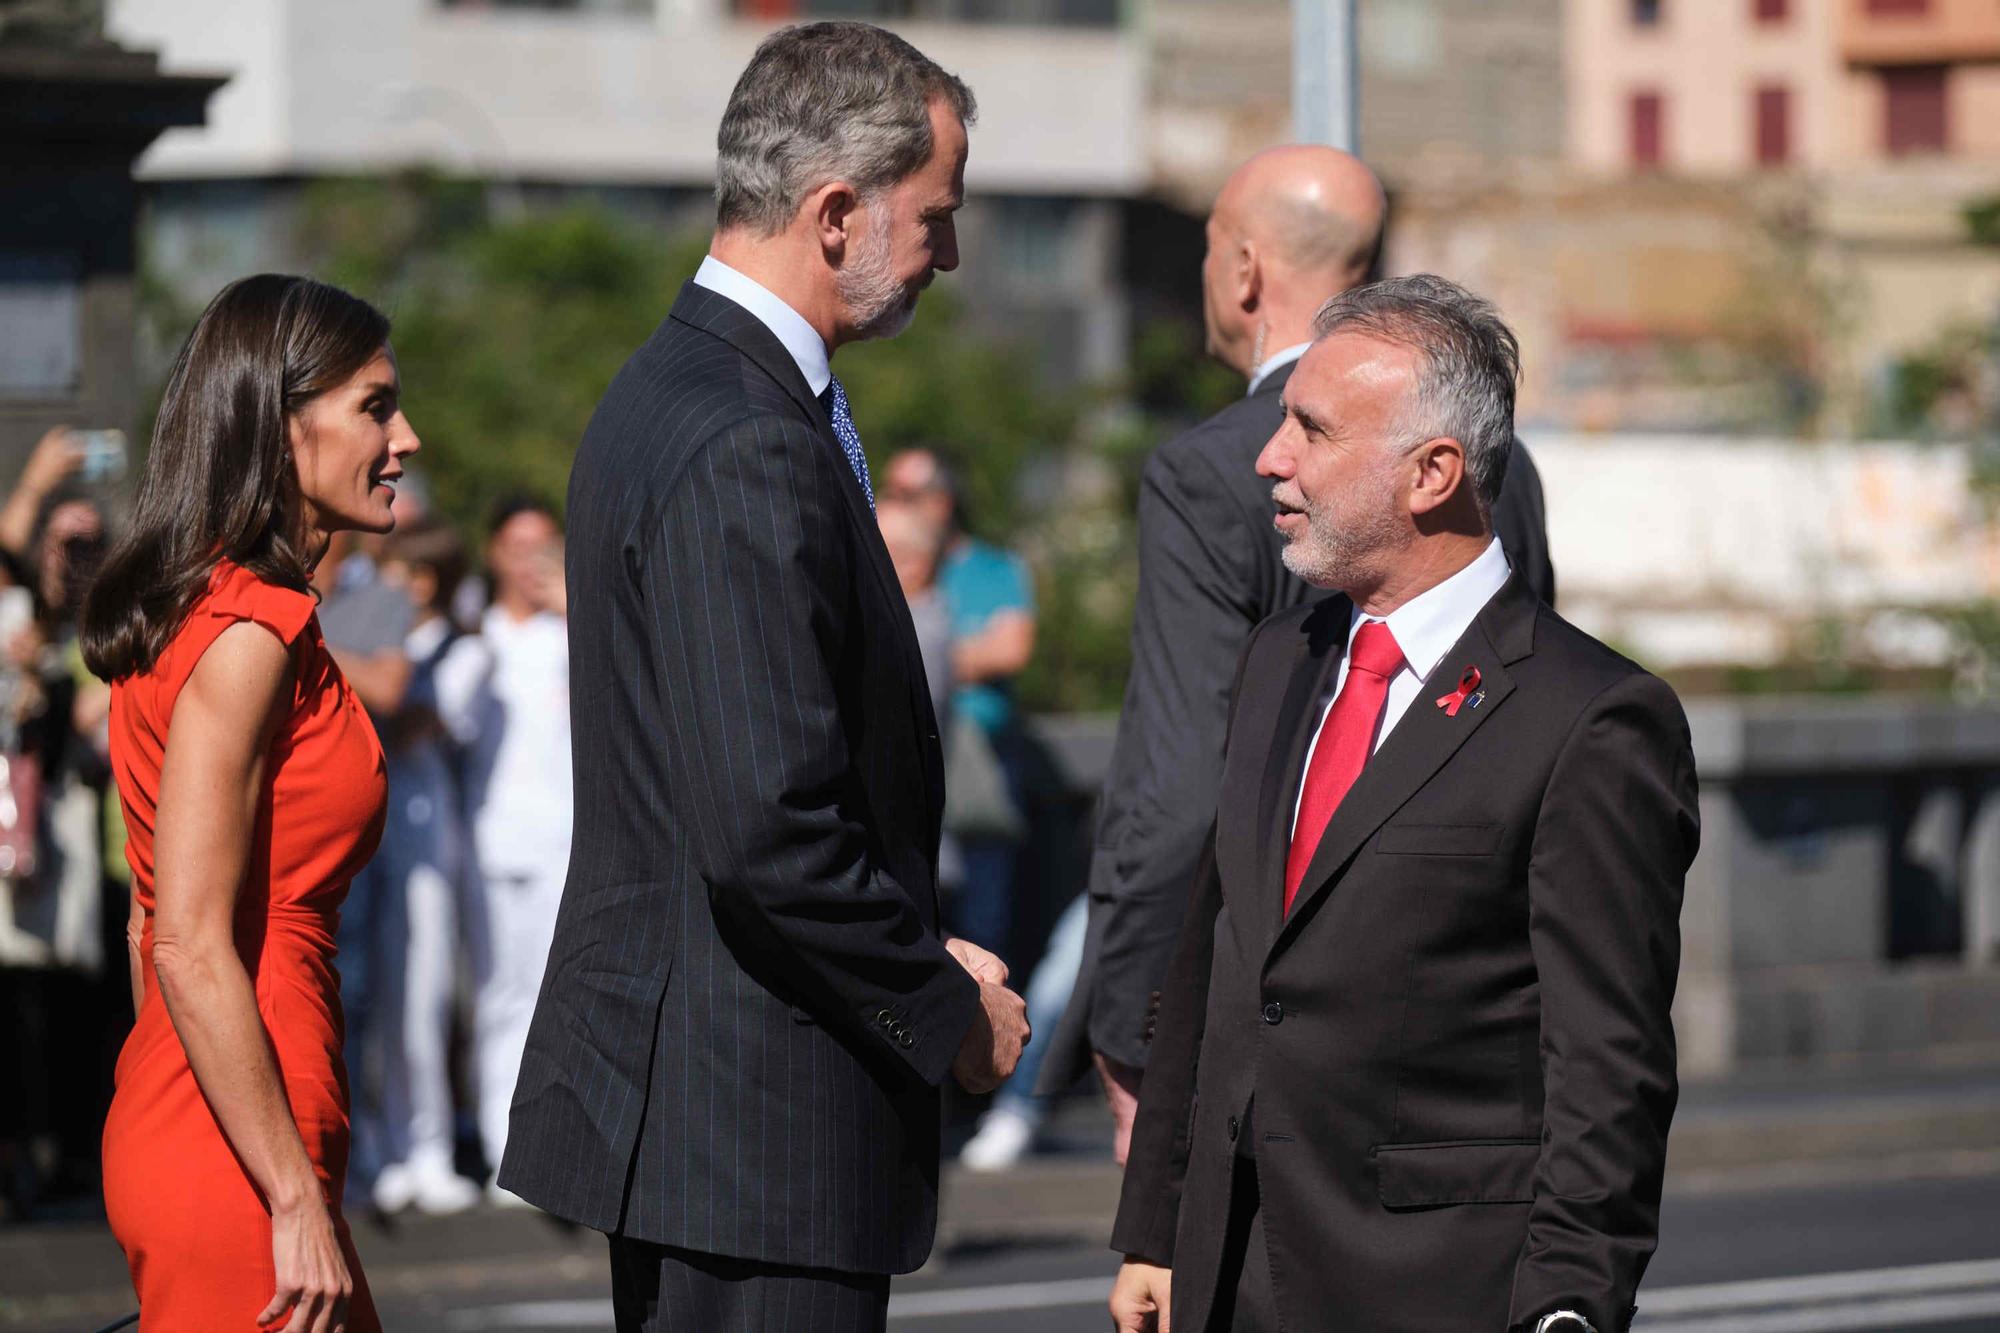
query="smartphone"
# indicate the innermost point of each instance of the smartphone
(103, 454)
(17, 611)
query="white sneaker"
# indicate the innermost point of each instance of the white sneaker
(1003, 1139)
(440, 1193)
(395, 1188)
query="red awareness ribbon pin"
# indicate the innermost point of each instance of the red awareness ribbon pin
(1468, 685)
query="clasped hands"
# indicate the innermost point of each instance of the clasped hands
(992, 1045)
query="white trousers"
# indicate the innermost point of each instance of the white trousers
(514, 925)
(415, 1022)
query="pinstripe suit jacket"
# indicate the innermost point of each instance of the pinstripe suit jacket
(748, 1009)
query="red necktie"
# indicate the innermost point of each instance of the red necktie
(1345, 742)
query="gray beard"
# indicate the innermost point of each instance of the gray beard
(1336, 555)
(878, 304)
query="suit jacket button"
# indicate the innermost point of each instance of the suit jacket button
(1274, 1013)
(885, 1018)
(905, 1039)
(1233, 1127)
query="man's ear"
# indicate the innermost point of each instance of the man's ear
(1440, 474)
(832, 210)
(1249, 277)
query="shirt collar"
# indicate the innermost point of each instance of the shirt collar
(801, 339)
(1428, 624)
(1274, 362)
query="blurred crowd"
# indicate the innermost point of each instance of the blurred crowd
(973, 607)
(463, 666)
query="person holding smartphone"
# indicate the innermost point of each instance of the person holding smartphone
(253, 788)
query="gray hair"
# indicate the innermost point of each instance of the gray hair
(1471, 362)
(823, 102)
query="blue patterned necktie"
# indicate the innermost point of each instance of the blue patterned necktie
(850, 438)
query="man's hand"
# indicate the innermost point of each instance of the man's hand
(983, 965)
(1121, 1092)
(1142, 1298)
(992, 1045)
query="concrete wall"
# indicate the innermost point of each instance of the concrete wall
(1469, 82)
(1697, 550)
(375, 85)
(1845, 901)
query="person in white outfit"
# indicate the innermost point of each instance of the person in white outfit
(517, 797)
(426, 850)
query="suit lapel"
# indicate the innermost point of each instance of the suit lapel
(1423, 741)
(718, 315)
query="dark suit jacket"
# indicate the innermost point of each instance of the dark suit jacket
(747, 1010)
(1210, 568)
(1453, 1061)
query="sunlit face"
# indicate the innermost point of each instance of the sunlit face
(1341, 482)
(524, 553)
(349, 445)
(906, 235)
(911, 478)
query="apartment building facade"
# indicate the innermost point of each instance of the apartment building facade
(1726, 87)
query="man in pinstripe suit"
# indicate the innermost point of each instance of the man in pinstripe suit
(749, 1008)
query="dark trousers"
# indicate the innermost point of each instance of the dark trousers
(1245, 1299)
(660, 1289)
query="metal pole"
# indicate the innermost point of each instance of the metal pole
(1326, 82)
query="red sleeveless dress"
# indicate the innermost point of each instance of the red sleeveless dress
(192, 1223)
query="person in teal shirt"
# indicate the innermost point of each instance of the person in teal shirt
(990, 598)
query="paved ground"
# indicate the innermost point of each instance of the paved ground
(1848, 1203)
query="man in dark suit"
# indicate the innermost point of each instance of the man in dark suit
(1414, 1065)
(735, 1062)
(1293, 227)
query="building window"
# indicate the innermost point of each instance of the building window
(1646, 13)
(1913, 110)
(1896, 8)
(1647, 112)
(41, 325)
(1770, 11)
(1774, 126)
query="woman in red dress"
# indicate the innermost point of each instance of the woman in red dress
(253, 789)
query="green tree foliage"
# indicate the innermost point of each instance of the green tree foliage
(506, 332)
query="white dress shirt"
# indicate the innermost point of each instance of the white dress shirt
(1273, 362)
(1425, 628)
(801, 339)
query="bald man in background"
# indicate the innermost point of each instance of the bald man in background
(1292, 228)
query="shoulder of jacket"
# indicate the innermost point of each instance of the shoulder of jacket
(1587, 666)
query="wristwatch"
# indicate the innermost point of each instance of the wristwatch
(1564, 1321)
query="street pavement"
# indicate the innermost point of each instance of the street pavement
(1862, 1202)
